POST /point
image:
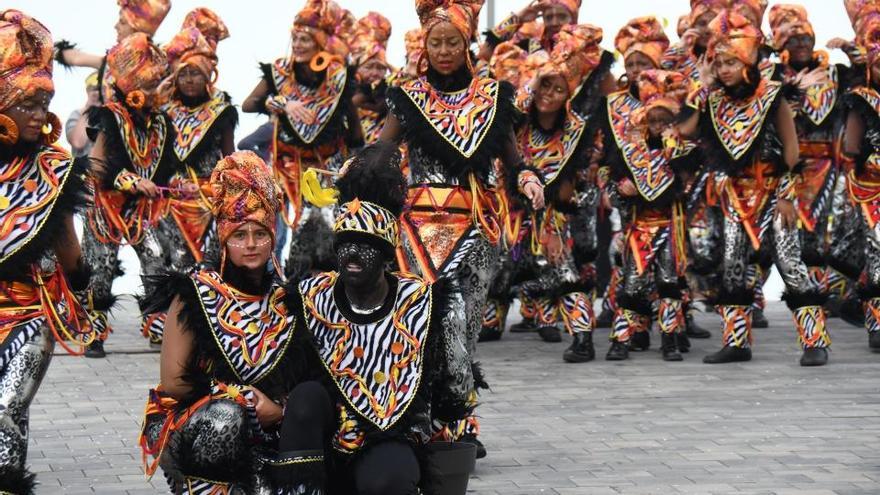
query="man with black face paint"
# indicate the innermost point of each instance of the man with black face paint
(378, 336)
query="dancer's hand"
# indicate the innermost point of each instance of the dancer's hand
(147, 188)
(530, 12)
(269, 413)
(707, 72)
(297, 111)
(535, 193)
(626, 188)
(787, 213)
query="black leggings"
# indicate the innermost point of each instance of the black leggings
(385, 468)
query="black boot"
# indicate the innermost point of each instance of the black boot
(693, 330)
(683, 343)
(489, 334)
(605, 318)
(581, 349)
(814, 356)
(669, 347)
(641, 341)
(525, 326)
(729, 354)
(550, 334)
(95, 349)
(618, 351)
(758, 319)
(472, 439)
(874, 340)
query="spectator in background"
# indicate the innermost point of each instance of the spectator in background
(75, 127)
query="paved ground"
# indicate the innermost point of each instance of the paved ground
(638, 427)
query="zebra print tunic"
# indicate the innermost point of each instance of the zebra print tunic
(322, 101)
(193, 125)
(251, 332)
(377, 366)
(738, 124)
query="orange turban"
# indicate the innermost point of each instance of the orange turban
(865, 18)
(575, 54)
(144, 16)
(734, 34)
(243, 190)
(755, 8)
(787, 21)
(327, 23)
(25, 58)
(644, 35)
(572, 6)
(662, 89)
(190, 47)
(507, 63)
(462, 14)
(136, 64)
(208, 23)
(414, 44)
(370, 38)
(699, 8)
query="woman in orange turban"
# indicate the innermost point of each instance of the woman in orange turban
(309, 97)
(40, 257)
(368, 54)
(455, 125)
(233, 349)
(134, 162)
(522, 27)
(751, 142)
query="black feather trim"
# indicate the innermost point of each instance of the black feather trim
(418, 132)
(669, 291)
(717, 157)
(845, 266)
(744, 297)
(17, 481)
(869, 292)
(588, 98)
(70, 200)
(795, 301)
(336, 123)
(640, 306)
(60, 46)
(564, 288)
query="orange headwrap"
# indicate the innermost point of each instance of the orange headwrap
(25, 58)
(208, 23)
(750, 8)
(572, 6)
(644, 35)
(414, 45)
(327, 23)
(662, 89)
(190, 47)
(243, 190)
(735, 35)
(370, 39)
(143, 16)
(462, 14)
(137, 65)
(507, 63)
(699, 8)
(575, 54)
(787, 21)
(868, 38)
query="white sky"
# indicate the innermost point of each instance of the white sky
(259, 32)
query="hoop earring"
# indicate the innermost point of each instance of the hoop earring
(51, 129)
(745, 74)
(784, 57)
(222, 260)
(320, 61)
(8, 131)
(622, 81)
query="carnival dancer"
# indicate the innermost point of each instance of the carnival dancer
(135, 16)
(644, 179)
(309, 96)
(40, 258)
(378, 337)
(204, 121)
(231, 351)
(368, 55)
(862, 144)
(750, 140)
(642, 43)
(454, 125)
(818, 89)
(133, 159)
(523, 29)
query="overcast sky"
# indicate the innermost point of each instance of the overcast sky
(260, 33)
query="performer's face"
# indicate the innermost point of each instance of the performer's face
(658, 120)
(303, 47)
(123, 29)
(749, 14)
(701, 25)
(360, 265)
(635, 64)
(800, 48)
(30, 115)
(554, 17)
(191, 82)
(250, 246)
(551, 94)
(371, 71)
(447, 50)
(729, 69)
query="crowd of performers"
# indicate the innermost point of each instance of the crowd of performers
(417, 202)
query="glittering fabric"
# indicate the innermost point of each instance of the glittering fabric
(244, 191)
(25, 58)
